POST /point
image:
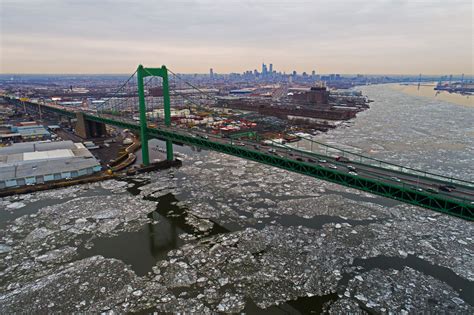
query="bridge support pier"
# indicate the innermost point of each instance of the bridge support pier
(89, 129)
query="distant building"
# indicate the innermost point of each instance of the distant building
(32, 163)
(318, 95)
(34, 132)
(26, 131)
(271, 68)
(211, 73)
(264, 69)
(156, 91)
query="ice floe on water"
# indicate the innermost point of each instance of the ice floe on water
(403, 292)
(288, 237)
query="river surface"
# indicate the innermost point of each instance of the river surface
(222, 234)
(416, 131)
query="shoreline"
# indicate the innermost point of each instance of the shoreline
(428, 91)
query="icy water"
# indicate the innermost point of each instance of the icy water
(427, 90)
(411, 130)
(221, 234)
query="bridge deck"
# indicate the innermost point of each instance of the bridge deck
(409, 188)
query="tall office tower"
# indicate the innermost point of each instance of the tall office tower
(313, 73)
(271, 68)
(264, 68)
(211, 73)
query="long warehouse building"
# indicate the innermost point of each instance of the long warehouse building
(30, 163)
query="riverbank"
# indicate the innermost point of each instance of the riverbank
(429, 92)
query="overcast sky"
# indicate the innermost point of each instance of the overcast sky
(351, 36)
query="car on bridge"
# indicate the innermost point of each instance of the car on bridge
(446, 188)
(416, 188)
(342, 159)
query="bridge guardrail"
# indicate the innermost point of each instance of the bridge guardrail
(365, 160)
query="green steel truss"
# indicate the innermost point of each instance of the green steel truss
(141, 74)
(451, 206)
(424, 199)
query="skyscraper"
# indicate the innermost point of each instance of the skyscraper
(271, 68)
(211, 73)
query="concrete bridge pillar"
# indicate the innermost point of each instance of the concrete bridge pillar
(89, 129)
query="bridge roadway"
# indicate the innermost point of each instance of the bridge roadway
(414, 189)
(418, 183)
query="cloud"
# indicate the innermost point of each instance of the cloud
(231, 35)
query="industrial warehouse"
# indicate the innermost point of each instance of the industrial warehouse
(32, 163)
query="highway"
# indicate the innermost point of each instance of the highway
(414, 182)
(436, 192)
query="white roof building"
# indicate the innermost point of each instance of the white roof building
(38, 162)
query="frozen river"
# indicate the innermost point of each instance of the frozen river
(222, 234)
(411, 130)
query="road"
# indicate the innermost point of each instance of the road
(464, 193)
(409, 181)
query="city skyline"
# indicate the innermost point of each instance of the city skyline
(367, 37)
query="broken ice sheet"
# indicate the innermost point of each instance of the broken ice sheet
(400, 291)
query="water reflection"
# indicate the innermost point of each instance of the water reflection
(159, 236)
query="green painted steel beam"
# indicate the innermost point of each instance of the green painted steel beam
(142, 110)
(47, 108)
(167, 109)
(448, 180)
(442, 204)
(451, 206)
(156, 72)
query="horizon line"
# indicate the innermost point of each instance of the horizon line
(227, 73)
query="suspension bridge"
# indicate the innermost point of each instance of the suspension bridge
(143, 104)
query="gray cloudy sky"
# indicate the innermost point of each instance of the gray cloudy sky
(359, 36)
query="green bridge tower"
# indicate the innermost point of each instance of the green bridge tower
(141, 74)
